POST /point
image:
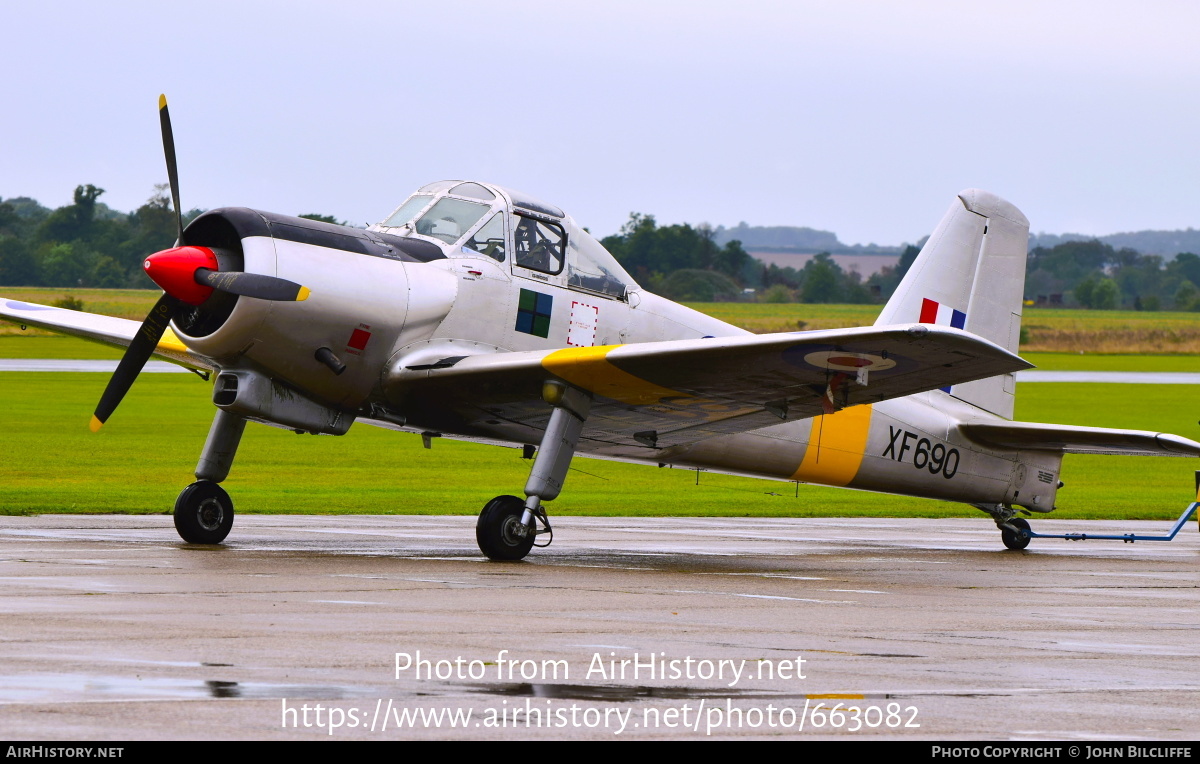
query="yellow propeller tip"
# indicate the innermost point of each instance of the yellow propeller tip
(162, 101)
(303, 294)
(96, 424)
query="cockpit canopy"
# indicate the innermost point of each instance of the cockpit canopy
(470, 219)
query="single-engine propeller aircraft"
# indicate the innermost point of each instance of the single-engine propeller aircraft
(478, 312)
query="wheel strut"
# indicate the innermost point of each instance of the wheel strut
(204, 511)
(1014, 530)
(546, 478)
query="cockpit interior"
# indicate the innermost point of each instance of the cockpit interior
(468, 219)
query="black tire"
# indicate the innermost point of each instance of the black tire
(496, 531)
(203, 513)
(1016, 540)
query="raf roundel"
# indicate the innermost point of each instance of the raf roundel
(840, 360)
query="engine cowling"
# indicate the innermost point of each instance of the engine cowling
(362, 285)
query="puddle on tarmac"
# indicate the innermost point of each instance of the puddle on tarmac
(59, 688)
(35, 688)
(70, 688)
(618, 693)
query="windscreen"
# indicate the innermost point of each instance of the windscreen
(449, 219)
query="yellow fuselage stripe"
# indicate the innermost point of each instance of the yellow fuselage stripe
(590, 369)
(835, 447)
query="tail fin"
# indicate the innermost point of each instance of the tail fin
(971, 275)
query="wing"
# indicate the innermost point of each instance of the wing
(660, 394)
(1078, 440)
(118, 332)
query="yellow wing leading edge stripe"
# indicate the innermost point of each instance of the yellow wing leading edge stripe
(836, 446)
(590, 369)
(171, 341)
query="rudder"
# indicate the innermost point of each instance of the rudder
(971, 275)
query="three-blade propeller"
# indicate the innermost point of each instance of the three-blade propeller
(188, 276)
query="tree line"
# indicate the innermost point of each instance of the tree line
(683, 262)
(84, 243)
(1093, 274)
(88, 244)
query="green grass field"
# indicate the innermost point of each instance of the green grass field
(122, 303)
(15, 343)
(763, 317)
(55, 346)
(1049, 330)
(145, 455)
(141, 460)
(1112, 362)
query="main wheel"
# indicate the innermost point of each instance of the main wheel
(498, 531)
(203, 513)
(1016, 540)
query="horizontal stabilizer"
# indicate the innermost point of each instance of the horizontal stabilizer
(1032, 436)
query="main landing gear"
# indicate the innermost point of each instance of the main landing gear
(204, 511)
(507, 526)
(500, 533)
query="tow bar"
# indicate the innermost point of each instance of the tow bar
(1129, 538)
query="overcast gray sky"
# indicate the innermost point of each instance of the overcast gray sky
(864, 118)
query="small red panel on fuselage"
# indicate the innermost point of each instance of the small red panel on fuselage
(358, 340)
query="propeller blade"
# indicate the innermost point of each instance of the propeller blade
(164, 119)
(252, 285)
(135, 357)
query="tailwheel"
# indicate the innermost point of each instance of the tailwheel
(203, 513)
(1018, 539)
(500, 533)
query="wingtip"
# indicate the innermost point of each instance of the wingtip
(96, 424)
(162, 101)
